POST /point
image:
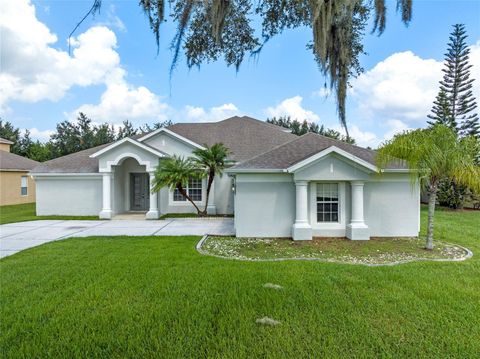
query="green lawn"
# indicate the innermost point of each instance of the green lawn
(26, 212)
(157, 297)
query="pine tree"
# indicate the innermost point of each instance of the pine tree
(441, 112)
(457, 85)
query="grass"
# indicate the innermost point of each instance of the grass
(374, 251)
(157, 297)
(26, 212)
(193, 215)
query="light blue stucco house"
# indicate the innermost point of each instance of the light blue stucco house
(280, 185)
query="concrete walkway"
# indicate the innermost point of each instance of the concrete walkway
(15, 237)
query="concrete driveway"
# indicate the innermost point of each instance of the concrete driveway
(15, 237)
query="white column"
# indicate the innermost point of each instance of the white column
(211, 207)
(357, 229)
(153, 210)
(106, 212)
(301, 228)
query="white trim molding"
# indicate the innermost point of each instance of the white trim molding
(328, 229)
(133, 142)
(171, 133)
(327, 151)
(121, 157)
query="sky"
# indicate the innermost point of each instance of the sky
(114, 73)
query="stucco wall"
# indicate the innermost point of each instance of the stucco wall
(69, 195)
(264, 205)
(168, 144)
(392, 206)
(10, 188)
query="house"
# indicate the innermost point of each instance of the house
(280, 185)
(16, 185)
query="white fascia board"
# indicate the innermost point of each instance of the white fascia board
(171, 133)
(253, 170)
(129, 140)
(66, 174)
(397, 170)
(327, 151)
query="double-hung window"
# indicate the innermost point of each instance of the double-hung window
(24, 186)
(194, 190)
(327, 202)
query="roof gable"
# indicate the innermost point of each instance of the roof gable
(114, 145)
(307, 147)
(332, 149)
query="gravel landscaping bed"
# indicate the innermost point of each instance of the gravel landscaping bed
(377, 251)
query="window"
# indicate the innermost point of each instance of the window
(327, 202)
(24, 186)
(194, 190)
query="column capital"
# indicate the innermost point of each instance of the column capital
(301, 183)
(357, 183)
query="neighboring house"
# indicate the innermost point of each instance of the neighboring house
(281, 185)
(16, 185)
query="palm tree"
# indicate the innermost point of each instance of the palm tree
(212, 160)
(175, 172)
(434, 154)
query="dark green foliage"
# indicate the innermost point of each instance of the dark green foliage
(148, 128)
(441, 112)
(453, 195)
(212, 160)
(11, 133)
(70, 137)
(175, 172)
(456, 88)
(127, 130)
(210, 29)
(455, 107)
(300, 128)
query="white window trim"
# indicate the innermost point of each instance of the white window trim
(171, 202)
(26, 186)
(341, 224)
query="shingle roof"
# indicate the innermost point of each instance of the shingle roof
(3, 140)
(304, 147)
(11, 161)
(245, 137)
(78, 162)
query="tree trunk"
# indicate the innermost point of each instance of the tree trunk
(185, 194)
(431, 212)
(211, 177)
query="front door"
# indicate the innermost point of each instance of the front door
(139, 191)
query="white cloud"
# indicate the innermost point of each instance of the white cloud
(403, 87)
(122, 101)
(33, 70)
(292, 107)
(199, 114)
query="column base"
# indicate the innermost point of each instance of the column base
(301, 232)
(105, 214)
(358, 232)
(211, 209)
(152, 214)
